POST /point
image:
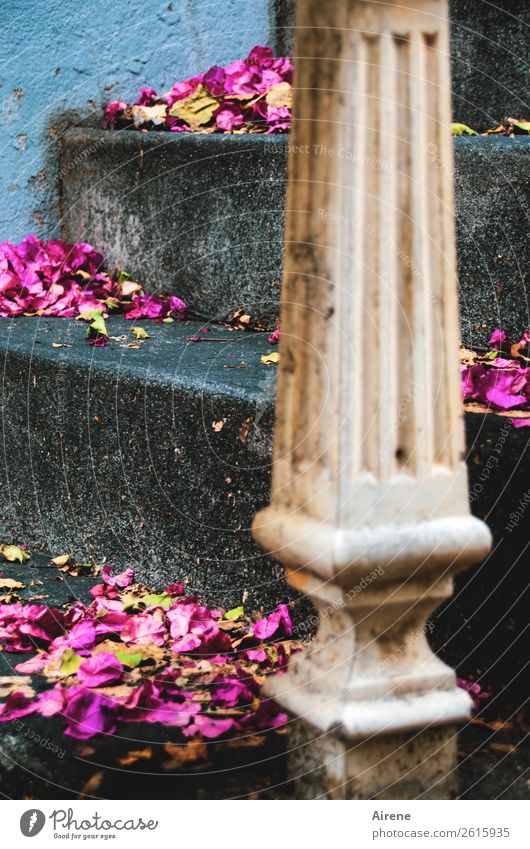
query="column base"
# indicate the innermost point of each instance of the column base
(416, 765)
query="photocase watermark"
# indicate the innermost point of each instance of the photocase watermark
(329, 215)
(80, 158)
(358, 588)
(400, 652)
(32, 822)
(65, 825)
(310, 624)
(402, 417)
(322, 150)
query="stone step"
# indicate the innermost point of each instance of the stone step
(156, 458)
(139, 761)
(202, 217)
(489, 57)
(160, 457)
(144, 761)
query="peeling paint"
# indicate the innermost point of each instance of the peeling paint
(96, 52)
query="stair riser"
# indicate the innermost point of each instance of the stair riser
(203, 216)
(103, 465)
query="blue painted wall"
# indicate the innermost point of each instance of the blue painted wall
(63, 59)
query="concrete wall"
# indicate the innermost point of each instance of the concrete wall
(62, 59)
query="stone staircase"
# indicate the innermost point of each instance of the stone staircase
(159, 456)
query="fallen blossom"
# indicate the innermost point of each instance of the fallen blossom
(252, 95)
(133, 655)
(99, 670)
(54, 278)
(279, 622)
(499, 377)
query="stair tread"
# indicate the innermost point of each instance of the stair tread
(233, 366)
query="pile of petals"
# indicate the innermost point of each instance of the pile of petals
(251, 95)
(135, 656)
(499, 377)
(56, 278)
(509, 127)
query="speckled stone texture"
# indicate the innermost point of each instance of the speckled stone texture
(202, 217)
(490, 56)
(417, 765)
(493, 208)
(112, 452)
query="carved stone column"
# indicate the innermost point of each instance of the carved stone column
(369, 509)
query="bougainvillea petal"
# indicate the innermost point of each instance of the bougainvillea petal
(54, 278)
(230, 99)
(97, 649)
(100, 670)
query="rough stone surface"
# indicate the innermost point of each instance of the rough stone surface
(113, 452)
(490, 57)
(145, 482)
(493, 212)
(406, 766)
(202, 216)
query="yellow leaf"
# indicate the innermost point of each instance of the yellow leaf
(270, 358)
(13, 553)
(132, 757)
(462, 130)
(197, 109)
(140, 333)
(10, 584)
(280, 95)
(61, 560)
(112, 303)
(181, 755)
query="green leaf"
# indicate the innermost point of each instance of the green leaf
(70, 662)
(129, 660)
(140, 333)
(98, 322)
(523, 126)
(234, 614)
(163, 600)
(462, 130)
(168, 320)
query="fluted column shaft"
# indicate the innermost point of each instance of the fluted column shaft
(369, 477)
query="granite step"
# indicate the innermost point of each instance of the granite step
(159, 457)
(202, 217)
(146, 761)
